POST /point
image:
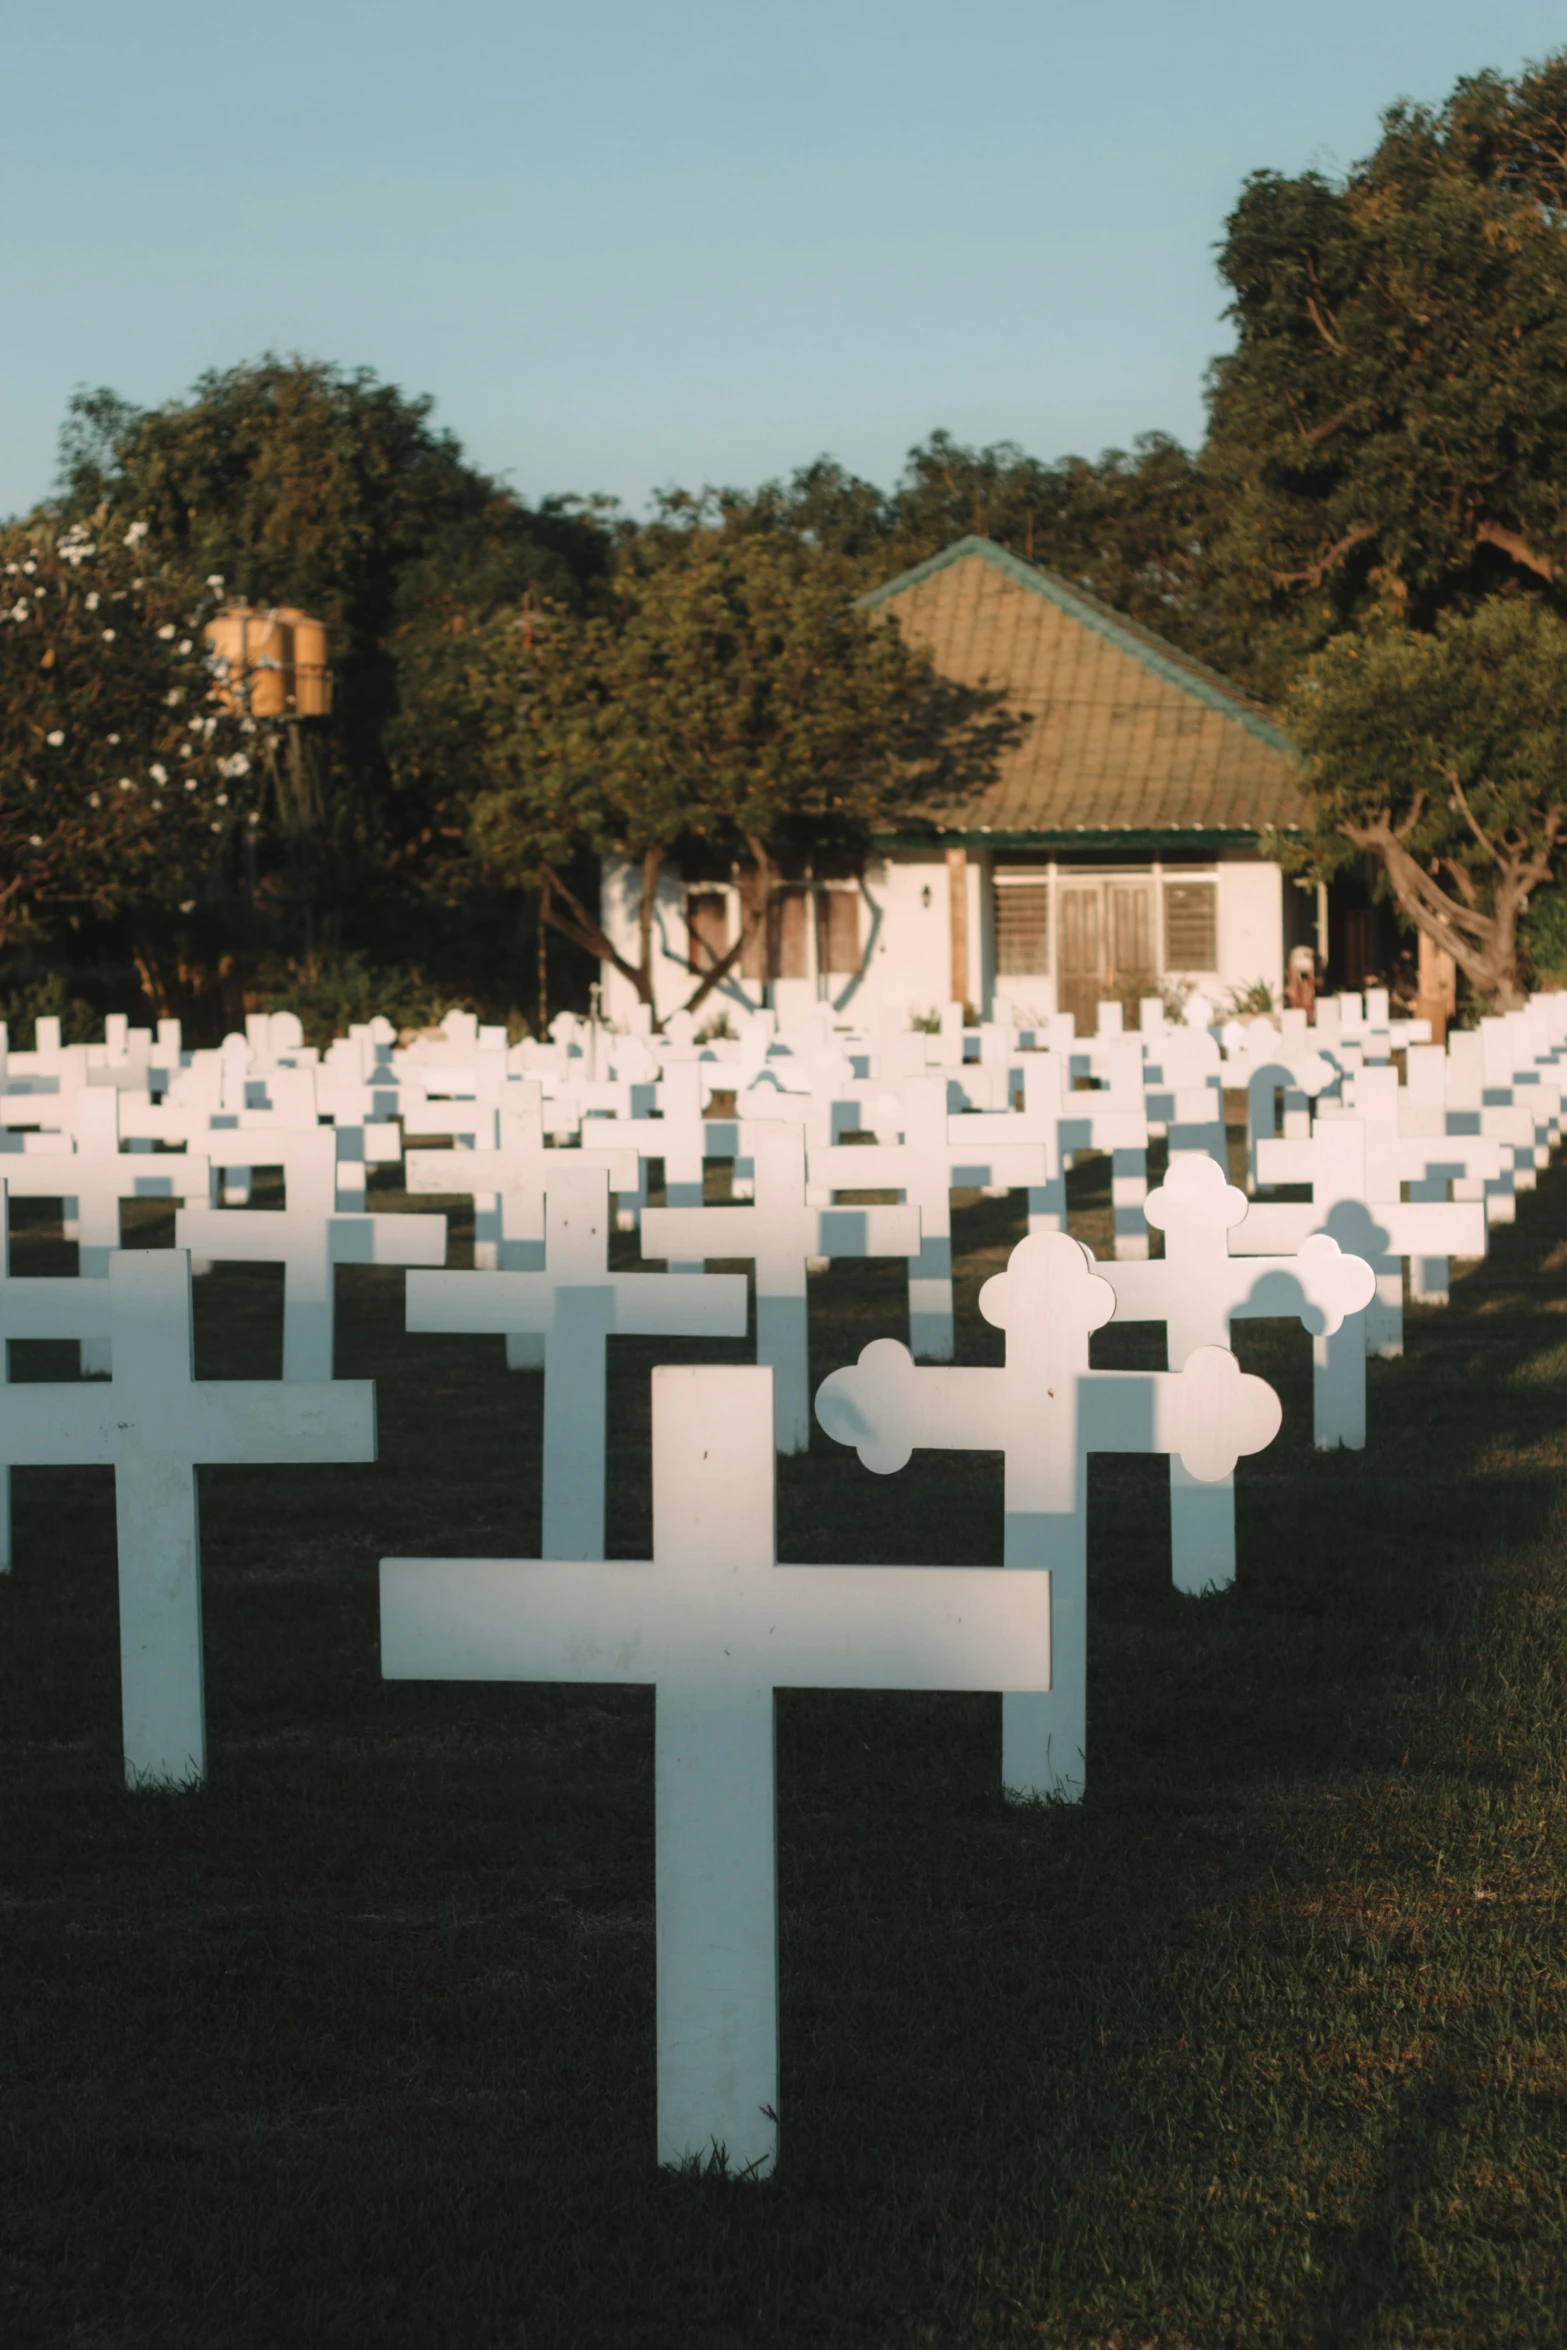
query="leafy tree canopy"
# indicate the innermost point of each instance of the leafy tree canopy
(1390, 432)
(731, 699)
(1443, 754)
(125, 786)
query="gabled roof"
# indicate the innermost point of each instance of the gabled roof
(1122, 733)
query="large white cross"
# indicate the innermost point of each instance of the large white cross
(1045, 1412)
(937, 1151)
(716, 1625)
(1196, 1289)
(154, 1420)
(574, 1305)
(307, 1236)
(781, 1234)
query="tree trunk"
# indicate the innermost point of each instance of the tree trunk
(1484, 946)
(564, 911)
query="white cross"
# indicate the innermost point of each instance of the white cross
(154, 1420)
(507, 1185)
(1477, 1166)
(574, 1305)
(1196, 1289)
(716, 1625)
(1384, 1232)
(1044, 1413)
(937, 1151)
(307, 1235)
(780, 1233)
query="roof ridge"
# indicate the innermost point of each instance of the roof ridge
(1154, 652)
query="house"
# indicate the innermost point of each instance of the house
(1116, 853)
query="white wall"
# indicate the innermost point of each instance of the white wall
(907, 944)
(1251, 925)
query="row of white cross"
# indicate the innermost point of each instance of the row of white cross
(713, 1621)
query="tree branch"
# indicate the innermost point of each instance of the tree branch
(1512, 542)
(1317, 572)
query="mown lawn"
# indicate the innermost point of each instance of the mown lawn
(1263, 2044)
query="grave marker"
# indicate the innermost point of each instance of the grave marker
(1044, 1413)
(716, 1625)
(153, 1421)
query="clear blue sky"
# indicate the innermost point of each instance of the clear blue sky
(631, 245)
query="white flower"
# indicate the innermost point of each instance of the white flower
(187, 905)
(184, 647)
(126, 783)
(29, 567)
(108, 636)
(166, 632)
(92, 601)
(190, 783)
(215, 582)
(158, 772)
(223, 799)
(57, 737)
(18, 612)
(95, 799)
(111, 738)
(174, 696)
(11, 570)
(37, 838)
(135, 535)
(158, 807)
(216, 828)
(235, 766)
(247, 726)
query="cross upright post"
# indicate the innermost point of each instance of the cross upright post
(308, 1235)
(781, 1234)
(574, 1305)
(1044, 1413)
(1196, 1289)
(716, 1625)
(153, 1421)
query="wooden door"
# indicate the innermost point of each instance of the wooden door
(1132, 973)
(1080, 953)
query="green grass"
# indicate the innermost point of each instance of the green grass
(1263, 2044)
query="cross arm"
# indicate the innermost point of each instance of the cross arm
(387, 1239)
(1209, 1412)
(683, 1234)
(679, 1305)
(462, 1172)
(50, 1423)
(782, 1627)
(478, 1302)
(887, 1407)
(865, 1232)
(53, 1306)
(279, 1420)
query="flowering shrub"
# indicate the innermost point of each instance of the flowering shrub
(122, 777)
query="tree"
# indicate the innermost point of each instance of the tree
(1390, 433)
(287, 481)
(125, 784)
(1443, 754)
(731, 701)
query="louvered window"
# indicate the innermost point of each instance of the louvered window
(1191, 926)
(1022, 928)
